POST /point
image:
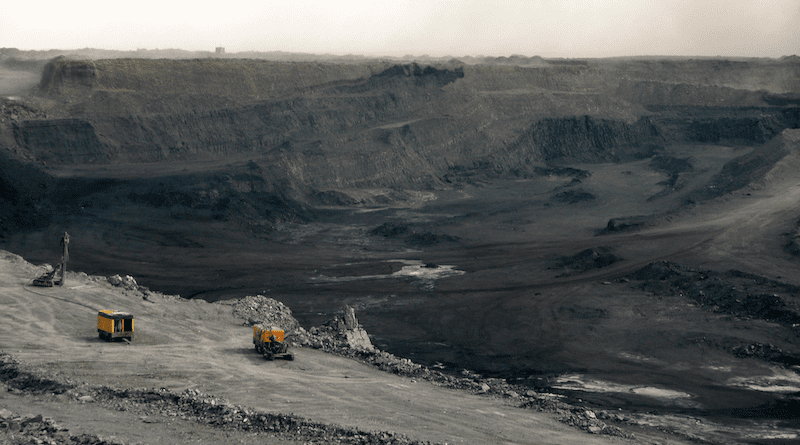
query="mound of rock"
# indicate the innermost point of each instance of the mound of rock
(573, 197)
(29, 428)
(412, 237)
(342, 332)
(128, 282)
(737, 293)
(19, 264)
(627, 224)
(258, 309)
(593, 258)
(390, 230)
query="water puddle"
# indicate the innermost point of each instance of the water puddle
(705, 430)
(577, 382)
(425, 273)
(781, 381)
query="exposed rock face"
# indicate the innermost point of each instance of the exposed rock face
(588, 139)
(64, 73)
(278, 135)
(350, 321)
(753, 166)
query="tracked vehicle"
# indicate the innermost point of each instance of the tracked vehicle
(113, 325)
(49, 279)
(269, 343)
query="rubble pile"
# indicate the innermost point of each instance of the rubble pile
(18, 429)
(14, 111)
(594, 258)
(340, 333)
(129, 284)
(258, 309)
(149, 403)
(733, 292)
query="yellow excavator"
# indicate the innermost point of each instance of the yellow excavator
(269, 343)
(49, 279)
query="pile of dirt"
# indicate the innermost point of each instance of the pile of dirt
(258, 309)
(131, 287)
(767, 352)
(29, 428)
(593, 258)
(23, 267)
(390, 230)
(412, 237)
(627, 224)
(733, 292)
(577, 175)
(573, 196)
(14, 111)
(335, 335)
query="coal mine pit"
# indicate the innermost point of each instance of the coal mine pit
(614, 237)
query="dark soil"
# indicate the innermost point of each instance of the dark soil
(593, 258)
(733, 292)
(573, 197)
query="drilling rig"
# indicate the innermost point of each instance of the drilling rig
(49, 279)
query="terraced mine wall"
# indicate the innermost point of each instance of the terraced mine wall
(296, 130)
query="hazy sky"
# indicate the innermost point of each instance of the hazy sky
(551, 28)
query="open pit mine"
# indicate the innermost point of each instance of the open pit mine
(536, 250)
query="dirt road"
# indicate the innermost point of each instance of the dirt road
(196, 345)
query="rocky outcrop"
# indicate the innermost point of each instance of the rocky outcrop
(751, 168)
(663, 93)
(308, 130)
(62, 72)
(342, 332)
(724, 125)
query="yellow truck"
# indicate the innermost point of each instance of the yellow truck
(112, 325)
(269, 342)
